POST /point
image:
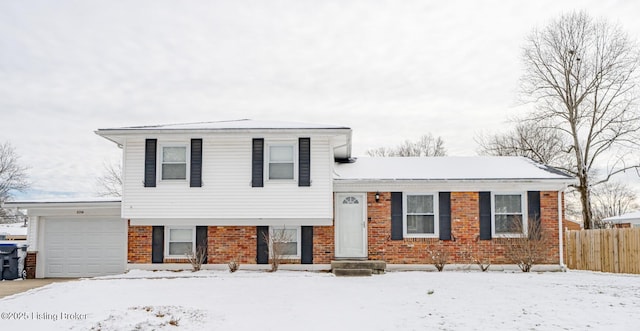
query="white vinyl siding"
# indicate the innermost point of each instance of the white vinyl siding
(226, 184)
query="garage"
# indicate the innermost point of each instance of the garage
(84, 247)
(74, 238)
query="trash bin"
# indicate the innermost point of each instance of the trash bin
(12, 256)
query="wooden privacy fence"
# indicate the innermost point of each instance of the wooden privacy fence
(607, 250)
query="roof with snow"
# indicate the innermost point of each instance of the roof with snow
(340, 135)
(233, 125)
(447, 168)
(625, 218)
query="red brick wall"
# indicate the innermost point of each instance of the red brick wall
(139, 244)
(30, 264)
(232, 243)
(465, 229)
(323, 247)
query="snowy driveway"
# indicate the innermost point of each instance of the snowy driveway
(217, 300)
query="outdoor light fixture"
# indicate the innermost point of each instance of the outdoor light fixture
(377, 196)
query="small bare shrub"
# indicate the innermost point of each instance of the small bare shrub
(527, 250)
(233, 266)
(279, 241)
(174, 321)
(439, 257)
(478, 257)
(197, 257)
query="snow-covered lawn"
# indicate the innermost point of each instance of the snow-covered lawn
(246, 300)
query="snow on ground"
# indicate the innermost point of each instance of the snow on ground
(251, 300)
(13, 229)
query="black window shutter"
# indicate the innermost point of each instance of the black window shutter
(201, 240)
(396, 216)
(157, 244)
(306, 246)
(304, 162)
(257, 163)
(262, 249)
(484, 201)
(444, 210)
(195, 178)
(150, 153)
(533, 202)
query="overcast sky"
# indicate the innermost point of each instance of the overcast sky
(390, 70)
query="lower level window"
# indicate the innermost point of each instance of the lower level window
(420, 215)
(180, 240)
(284, 242)
(508, 215)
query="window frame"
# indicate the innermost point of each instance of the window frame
(167, 240)
(523, 211)
(298, 240)
(161, 162)
(267, 161)
(436, 218)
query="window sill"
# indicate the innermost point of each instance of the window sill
(509, 235)
(437, 236)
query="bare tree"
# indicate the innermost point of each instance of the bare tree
(110, 182)
(581, 75)
(426, 145)
(197, 257)
(529, 249)
(280, 244)
(439, 257)
(13, 177)
(612, 199)
(538, 141)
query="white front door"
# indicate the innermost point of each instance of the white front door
(351, 225)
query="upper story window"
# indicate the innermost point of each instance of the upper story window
(509, 218)
(281, 161)
(420, 215)
(174, 162)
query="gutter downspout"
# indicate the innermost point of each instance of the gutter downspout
(563, 267)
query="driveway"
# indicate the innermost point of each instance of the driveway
(11, 287)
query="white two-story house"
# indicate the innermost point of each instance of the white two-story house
(223, 187)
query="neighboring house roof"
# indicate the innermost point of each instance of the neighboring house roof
(447, 168)
(13, 229)
(342, 134)
(625, 218)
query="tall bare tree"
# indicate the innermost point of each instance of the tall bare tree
(13, 176)
(426, 145)
(537, 141)
(110, 182)
(581, 75)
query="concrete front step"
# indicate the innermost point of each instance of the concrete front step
(352, 272)
(373, 267)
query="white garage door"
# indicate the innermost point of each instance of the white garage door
(84, 247)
